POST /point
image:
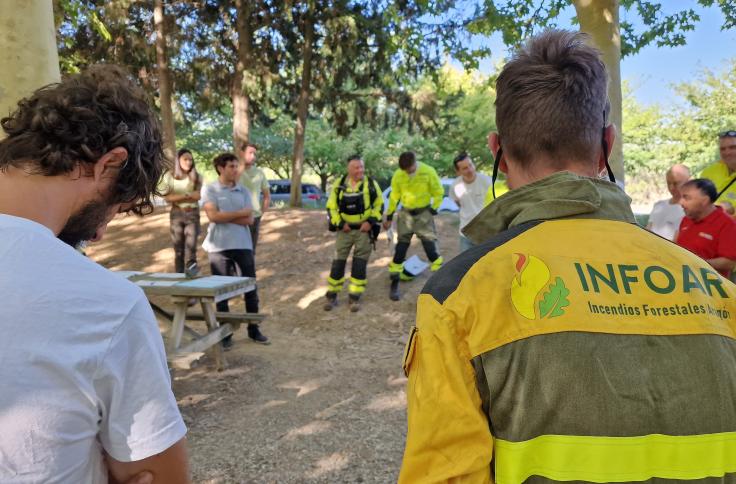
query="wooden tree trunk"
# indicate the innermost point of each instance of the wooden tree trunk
(301, 113)
(28, 53)
(239, 91)
(600, 20)
(164, 81)
(241, 115)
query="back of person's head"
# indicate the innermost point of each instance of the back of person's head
(705, 186)
(221, 160)
(79, 120)
(460, 157)
(551, 100)
(407, 160)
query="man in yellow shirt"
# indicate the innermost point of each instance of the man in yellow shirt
(419, 190)
(254, 179)
(723, 171)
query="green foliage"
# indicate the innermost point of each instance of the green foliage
(206, 138)
(655, 138)
(518, 19)
(709, 108)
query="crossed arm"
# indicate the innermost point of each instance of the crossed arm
(240, 217)
(187, 197)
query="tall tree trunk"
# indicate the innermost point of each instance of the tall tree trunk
(28, 53)
(302, 111)
(599, 19)
(239, 89)
(164, 81)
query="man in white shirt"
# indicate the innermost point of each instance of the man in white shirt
(86, 391)
(469, 192)
(667, 214)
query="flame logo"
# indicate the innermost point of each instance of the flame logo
(531, 277)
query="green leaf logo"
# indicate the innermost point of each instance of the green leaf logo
(554, 300)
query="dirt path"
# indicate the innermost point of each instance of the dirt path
(325, 402)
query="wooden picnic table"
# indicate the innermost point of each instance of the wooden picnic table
(207, 291)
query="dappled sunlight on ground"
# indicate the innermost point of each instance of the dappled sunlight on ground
(328, 464)
(325, 401)
(193, 399)
(312, 296)
(270, 404)
(316, 427)
(305, 387)
(394, 381)
(394, 401)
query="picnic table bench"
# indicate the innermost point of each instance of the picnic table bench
(207, 291)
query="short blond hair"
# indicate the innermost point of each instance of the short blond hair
(552, 99)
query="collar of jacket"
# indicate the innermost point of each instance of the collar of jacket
(562, 195)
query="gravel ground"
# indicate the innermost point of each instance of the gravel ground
(325, 402)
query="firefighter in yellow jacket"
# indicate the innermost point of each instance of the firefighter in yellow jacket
(355, 208)
(572, 344)
(419, 190)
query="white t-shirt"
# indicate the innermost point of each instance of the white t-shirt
(82, 364)
(470, 196)
(665, 218)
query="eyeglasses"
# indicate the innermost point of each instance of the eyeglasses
(729, 134)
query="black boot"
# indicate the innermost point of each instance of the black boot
(394, 292)
(255, 334)
(331, 301)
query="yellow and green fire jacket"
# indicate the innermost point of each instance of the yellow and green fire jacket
(416, 190)
(571, 345)
(355, 205)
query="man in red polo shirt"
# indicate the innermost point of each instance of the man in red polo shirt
(706, 230)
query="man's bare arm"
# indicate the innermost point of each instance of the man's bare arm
(170, 466)
(266, 200)
(722, 264)
(243, 220)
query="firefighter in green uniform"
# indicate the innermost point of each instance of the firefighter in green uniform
(420, 192)
(355, 208)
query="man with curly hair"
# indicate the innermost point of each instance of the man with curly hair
(86, 390)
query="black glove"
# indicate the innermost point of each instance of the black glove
(432, 211)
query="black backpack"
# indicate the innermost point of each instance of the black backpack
(372, 195)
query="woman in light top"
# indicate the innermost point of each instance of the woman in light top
(182, 192)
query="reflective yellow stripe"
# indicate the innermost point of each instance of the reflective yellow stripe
(394, 267)
(615, 459)
(353, 289)
(437, 264)
(357, 286)
(335, 285)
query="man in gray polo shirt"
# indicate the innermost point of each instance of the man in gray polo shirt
(228, 243)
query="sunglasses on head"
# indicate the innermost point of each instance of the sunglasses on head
(729, 134)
